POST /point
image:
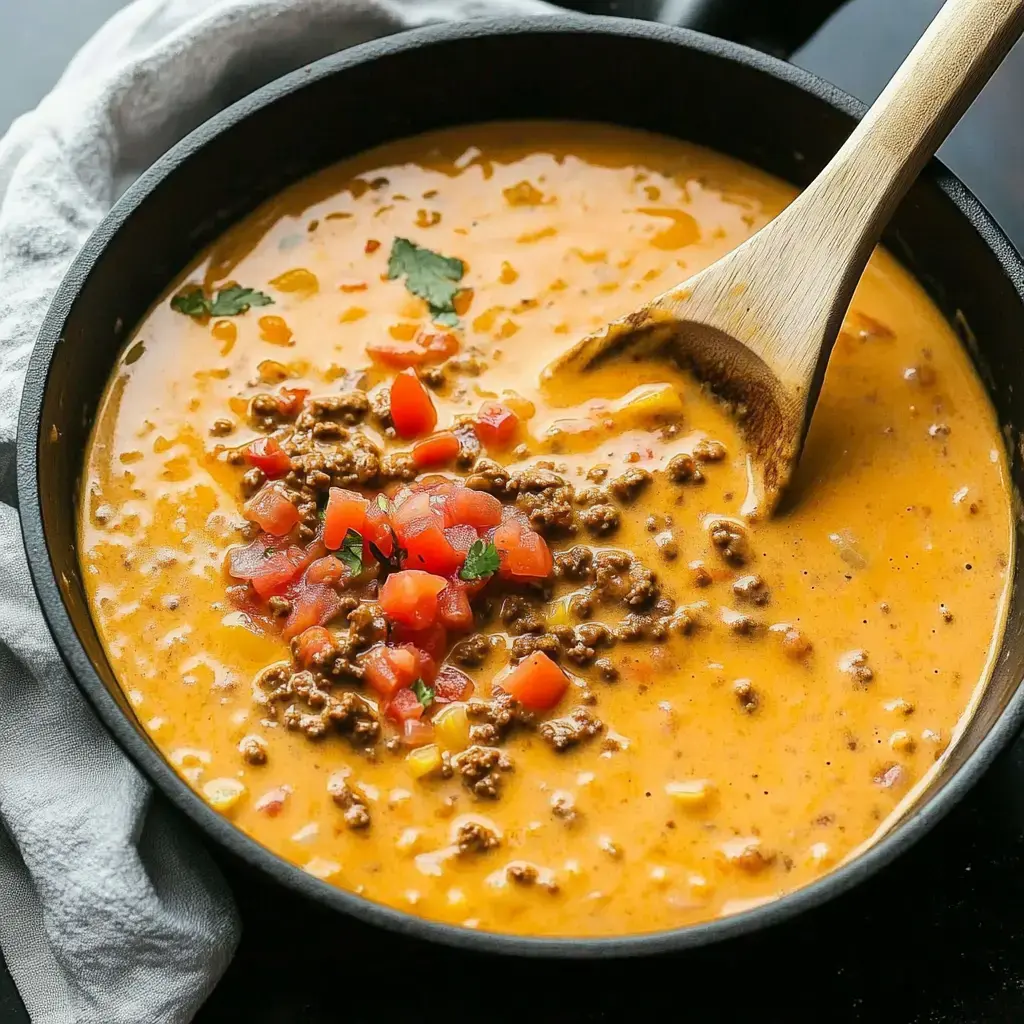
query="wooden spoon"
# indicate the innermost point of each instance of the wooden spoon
(759, 324)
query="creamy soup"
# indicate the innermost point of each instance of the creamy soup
(505, 654)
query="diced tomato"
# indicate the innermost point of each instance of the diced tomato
(311, 643)
(437, 450)
(403, 706)
(451, 685)
(428, 346)
(417, 733)
(390, 669)
(523, 553)
(346, 510)
(411, 509)
(461, 538)
(273, 574)
(412, 410)
(453, 608)
(312, 605)
(433, 640)
(536, 682)
(428, 548)
(495, 424)
(377, 531)
(327, 570)
(290, 400)
(266, 454)
(272, 511)
(473, 508)
(410, 597)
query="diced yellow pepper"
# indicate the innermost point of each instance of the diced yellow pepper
(223, 794)
(451, 727)
(424, 760)
(646, 403)
(298, 280)
(559, 613)
(692, 794)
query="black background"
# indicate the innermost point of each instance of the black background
(938, 937)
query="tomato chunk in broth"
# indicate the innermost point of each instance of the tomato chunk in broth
(503, 653)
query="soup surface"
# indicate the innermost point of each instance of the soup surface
(542, 678)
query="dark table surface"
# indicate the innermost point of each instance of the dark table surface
(938, 937)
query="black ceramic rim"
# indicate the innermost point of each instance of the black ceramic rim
(163, 776)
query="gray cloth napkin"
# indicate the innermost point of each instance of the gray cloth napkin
(110, 910)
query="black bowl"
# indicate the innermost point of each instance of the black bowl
(636, 74)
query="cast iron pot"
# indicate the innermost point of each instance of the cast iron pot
(632, 73)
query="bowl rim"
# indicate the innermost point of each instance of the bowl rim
(157, 769)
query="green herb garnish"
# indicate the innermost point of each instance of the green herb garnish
(424, 694)
(229, 301)
(481, 560)
(267, 552)
(384, 504)
(351, 552)
(431, 276)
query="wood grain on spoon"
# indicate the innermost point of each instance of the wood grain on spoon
(759, 325)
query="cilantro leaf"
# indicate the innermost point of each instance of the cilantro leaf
(384, 504)
(481, 560)
(424, 694)
(351, 552)
(234, 300)
(429, 275)
(229, 301)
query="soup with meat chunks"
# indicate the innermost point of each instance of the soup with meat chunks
(502, 653)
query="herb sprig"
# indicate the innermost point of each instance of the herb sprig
(430, 276)
(481, 560)
(230, 301)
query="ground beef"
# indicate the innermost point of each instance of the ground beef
(630, 484)
(563, 805)
(550, 512)
(481, 770)
(349, 408)
(434, 377)
(700, 574)
(472, 837)
(746, 695)
(354, 717)
(731, 540)
(529, 643)
(643, 587)
(520, 616)
(577, 726)
(585, 641)
(350, 800)
(619, 577)
(855, 665)
(469, 446)
(492, 477)
(367, 625)
(600, 519)
(683, 469)
(472, 652)
(252, 480)
(538, 480)
(709, 451)
(495, 717)
(794, 641)
(753, 589)
(606, 670)
(355, 463)
(222, 427)
(740, 624)
(253, 749)
(265, 412)
(279, 606)
(398, 466)
(593, 496)
(575, 564)
(380, 407)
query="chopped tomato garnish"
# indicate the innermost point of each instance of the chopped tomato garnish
(428, 548)
(523, 553)
(437, 450)
(290, 400)
(313, 605)
(311, 643)
(377, 531)
(412, 410)
(427, 347)
(454, 609)
(461, 538)
(472, 508)
(327, 570)
(272, 573)
(346, 510)
(536, 682)
(495, 424)
(390, 669)
(272, 511)
(372, 245)
(410, 597)
(415, 507)
(451, 685)
(266, 454)
(417, 733)
(403, 706)
(433, 639)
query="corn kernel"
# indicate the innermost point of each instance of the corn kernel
(223, 794)
(451, 727)
(692, 794)
(275, 330)
(646, 403)
(298, 280)
(560, 613)
(424, 760)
